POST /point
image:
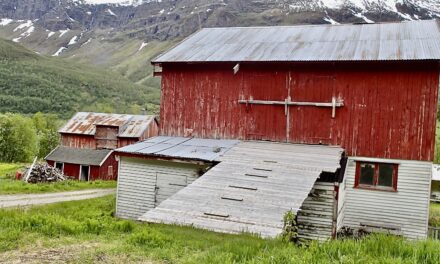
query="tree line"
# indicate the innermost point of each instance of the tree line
(23, 137)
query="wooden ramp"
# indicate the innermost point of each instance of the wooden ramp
(250, 190)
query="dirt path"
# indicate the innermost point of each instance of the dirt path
(84, 252)
(47, 198)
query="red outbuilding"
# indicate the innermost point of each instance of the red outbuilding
(88, 141)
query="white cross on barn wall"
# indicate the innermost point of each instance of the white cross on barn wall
(336, 102)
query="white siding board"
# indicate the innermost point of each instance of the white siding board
(406, 209)
(315, 219)
(138, 179)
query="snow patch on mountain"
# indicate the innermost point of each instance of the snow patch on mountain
(29, 25)
(110, 2)
(59, 51)
(62, 32)
(331, 20)
(73, 40)
(143, 45)
(50, 34)
(87, 42)
(5, 21)
(360, 15)
(24, 25)
(111, 12)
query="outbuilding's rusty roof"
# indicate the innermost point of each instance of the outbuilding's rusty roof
(413, 40)
(130, 126)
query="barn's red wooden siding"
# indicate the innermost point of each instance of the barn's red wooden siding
(103, 173)
(389, 108)
(71, 170)
(78, 141)
(122, 142)
(151, 131)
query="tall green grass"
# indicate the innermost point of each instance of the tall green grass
(434, 214)
(7, 170)
(92, 221)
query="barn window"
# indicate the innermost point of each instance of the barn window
(378, 176)
(110, 170)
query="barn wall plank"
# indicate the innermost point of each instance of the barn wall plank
(389, 109)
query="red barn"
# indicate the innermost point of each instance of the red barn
(88, 141)
(371, 89)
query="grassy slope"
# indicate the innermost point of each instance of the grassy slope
(92, 223)
(123, 55)
(434, 214)
(31, 83)
(10, 186)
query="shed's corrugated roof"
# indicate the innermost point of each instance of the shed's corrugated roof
(79, 156)
(413, 40)
(181, 147)
(251, 189)
(85, 123)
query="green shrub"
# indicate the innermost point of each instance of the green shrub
(149, 238)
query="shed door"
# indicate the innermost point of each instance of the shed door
(311, 124)
(169, 184)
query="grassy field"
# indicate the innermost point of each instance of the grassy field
(86, 232)
(434, 214)
(8, 185)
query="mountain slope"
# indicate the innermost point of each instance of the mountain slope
(30, 82)
(124, 35)
(110, 33)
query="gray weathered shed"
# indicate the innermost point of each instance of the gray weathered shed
(248, 186)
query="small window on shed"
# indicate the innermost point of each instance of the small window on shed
(377, 176)
(385, 176)
(110, 170)
(366, 176)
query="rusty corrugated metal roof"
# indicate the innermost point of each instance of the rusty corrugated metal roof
(84, 123)
(413, 40)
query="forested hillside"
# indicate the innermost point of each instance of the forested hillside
(30, 83)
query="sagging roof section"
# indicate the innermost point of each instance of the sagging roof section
(413, 40)
(84, 123)
(94, 157)
(181, 147)
(251, 189)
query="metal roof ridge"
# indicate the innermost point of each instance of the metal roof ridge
(329, 25)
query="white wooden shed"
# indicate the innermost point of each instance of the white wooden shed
(230, 186)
